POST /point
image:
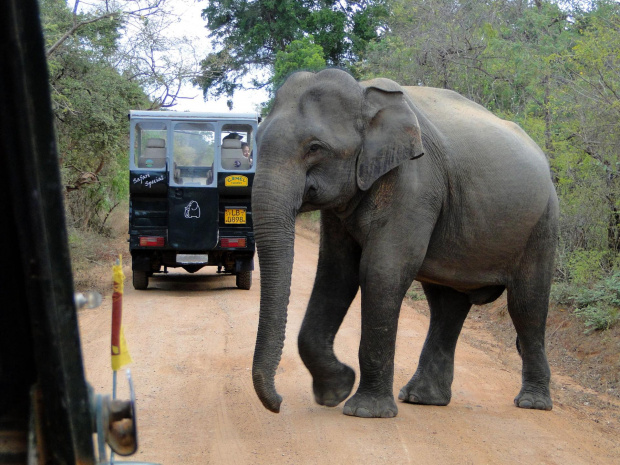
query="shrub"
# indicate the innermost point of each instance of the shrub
(598, 305)
(598, 317)
(415, 292)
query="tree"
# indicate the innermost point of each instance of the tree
(249, 34)
(301, 54)
(90, 101)
(138, 44)
(104, 59)
(589, 106)
(495, 53)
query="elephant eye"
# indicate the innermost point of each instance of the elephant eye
(315, 151)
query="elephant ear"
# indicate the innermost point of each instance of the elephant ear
(392, 133)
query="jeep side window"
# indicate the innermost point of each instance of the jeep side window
(237, 143)
(150, 145)
(193, 153)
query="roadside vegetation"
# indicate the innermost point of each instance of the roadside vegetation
(553, 67)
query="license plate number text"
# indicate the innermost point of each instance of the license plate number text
(234, 216)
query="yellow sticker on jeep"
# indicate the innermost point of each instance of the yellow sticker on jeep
(236, 180)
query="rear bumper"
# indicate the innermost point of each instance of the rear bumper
(151, 259)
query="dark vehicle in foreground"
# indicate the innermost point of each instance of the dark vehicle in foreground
(190, 193)
(49, 413)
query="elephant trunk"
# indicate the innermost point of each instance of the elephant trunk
(274, 214)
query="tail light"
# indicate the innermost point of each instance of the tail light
(151, 241)
(232, 242)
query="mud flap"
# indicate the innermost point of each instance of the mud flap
(244, 264)
(140, 262)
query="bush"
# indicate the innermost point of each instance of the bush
(416, 292)
(598, 317)
(598, 305)
(585, 265)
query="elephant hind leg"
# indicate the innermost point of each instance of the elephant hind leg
(432, 382)
(528, 301)
(528, 305)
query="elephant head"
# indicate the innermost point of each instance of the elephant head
(326, 141)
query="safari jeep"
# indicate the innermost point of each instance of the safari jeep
(190, 184)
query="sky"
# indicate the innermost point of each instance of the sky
(192, 25)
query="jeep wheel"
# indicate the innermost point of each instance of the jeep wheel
(140, 280)
(244, 280)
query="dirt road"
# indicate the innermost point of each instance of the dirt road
(191, 338)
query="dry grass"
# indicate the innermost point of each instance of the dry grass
(94, 254)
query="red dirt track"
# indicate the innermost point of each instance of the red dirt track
(191, 338)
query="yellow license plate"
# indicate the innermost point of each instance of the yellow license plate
(234, 216)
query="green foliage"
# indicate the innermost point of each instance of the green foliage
(90, 101)
(415, 293)
(249, 34)
(598, 306)
(585, 266)
(301, 54)
(314, 216)
(598, 316)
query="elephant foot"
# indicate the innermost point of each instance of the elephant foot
(426, 393)
(332, 390)
(368, 406)
(533, 399)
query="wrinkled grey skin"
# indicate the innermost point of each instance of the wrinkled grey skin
(476, 214)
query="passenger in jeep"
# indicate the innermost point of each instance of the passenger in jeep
(246, 151)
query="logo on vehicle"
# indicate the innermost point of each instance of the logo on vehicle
(236, 181)
(192, 210)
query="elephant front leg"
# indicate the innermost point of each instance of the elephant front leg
(374, 397)
(335, 287)
(432, 382)
(384, 284)
(387, 269)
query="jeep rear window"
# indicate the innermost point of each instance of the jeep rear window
(193, 153)
(150, 144)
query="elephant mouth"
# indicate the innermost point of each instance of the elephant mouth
(310, 197)
(310, 189)
(320, 197)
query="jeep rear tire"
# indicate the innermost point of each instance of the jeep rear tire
(140, 280)
(244, 280)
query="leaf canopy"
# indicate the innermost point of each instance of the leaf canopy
(249, 34)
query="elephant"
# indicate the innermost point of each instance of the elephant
(412, 183)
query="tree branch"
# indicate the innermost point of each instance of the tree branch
(76, 25)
